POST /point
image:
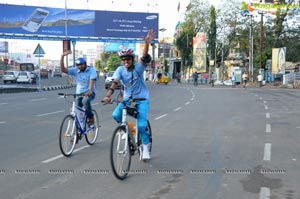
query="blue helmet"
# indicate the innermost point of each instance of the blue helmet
(80, 60)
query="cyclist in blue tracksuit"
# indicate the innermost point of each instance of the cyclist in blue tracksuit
(132, 77)
(86, 77)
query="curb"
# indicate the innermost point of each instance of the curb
(58, 87)
(45, 88)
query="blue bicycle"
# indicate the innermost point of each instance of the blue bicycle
(74, 126)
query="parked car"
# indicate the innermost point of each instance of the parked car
(24, 77)
(109, 79)
(57, 73)
(10, 76)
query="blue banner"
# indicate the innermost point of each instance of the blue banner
(30, 22)
(116, 47)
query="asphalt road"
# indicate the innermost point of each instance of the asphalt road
(208, 143)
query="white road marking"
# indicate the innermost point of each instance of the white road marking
(260, 98)
(267, 115)
(187, 103)
(3, 122)
(50, 113)
(268, 128)
(164, 115)
(3, 103)
(34, 100)
(267, 152)
(264, 193)
(60, 156)
(265, 102)
(177, 109)
(266, 107)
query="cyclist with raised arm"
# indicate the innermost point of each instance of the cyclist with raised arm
(86, 77)
(131, 75)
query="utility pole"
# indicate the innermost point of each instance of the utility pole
(250, 70)
(163, 43)
(261, 38)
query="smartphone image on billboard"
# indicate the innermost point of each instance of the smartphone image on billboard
(34, 22)
(67, 46)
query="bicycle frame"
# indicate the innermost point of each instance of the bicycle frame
(80, 118)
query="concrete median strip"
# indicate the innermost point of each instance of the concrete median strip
(18, 89)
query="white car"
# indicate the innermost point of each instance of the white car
(109, 79)
(24, 77)
(10, 76)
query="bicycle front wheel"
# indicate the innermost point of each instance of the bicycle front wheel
(150, 136)
(67, 135)
(92, 134)
(120, 157)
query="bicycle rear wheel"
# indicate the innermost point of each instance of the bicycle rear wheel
(67, 135)
(120, 157)
(92, 134)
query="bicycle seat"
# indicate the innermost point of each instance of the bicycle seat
(132, 111)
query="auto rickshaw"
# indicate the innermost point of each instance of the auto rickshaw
(163, 78)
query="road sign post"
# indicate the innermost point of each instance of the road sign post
(39, 52)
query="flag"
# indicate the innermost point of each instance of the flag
(178, 7)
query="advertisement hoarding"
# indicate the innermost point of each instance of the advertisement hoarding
(199, 53)
(31, 22)
(278, 60)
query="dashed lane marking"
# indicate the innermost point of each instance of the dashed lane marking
(264, 193)
(60, 156)
(51, 113)
(177, 109)
(268, 128)
(267, 152)
(34, 100)
(164, 115)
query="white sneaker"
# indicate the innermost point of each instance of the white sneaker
(146, 154)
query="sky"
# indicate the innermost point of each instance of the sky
(168, 15)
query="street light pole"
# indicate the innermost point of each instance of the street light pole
(163, 30)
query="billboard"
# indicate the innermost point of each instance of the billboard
(31, 22)
(199, 53)
(116, 46)
(3, 47)
(278, 60)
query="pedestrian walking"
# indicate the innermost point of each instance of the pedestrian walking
(195, 78)
(233, 80)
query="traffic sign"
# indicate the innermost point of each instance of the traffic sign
(39, 50)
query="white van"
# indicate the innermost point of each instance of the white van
(24, 77)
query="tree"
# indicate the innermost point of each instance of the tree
(212, 36)
(113, 62)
